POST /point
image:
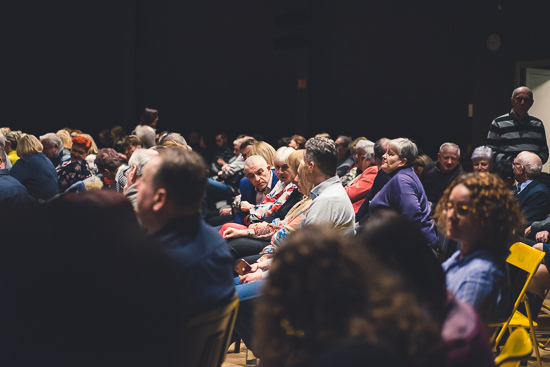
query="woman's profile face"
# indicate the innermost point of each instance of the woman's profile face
(481, 164)
(459, 224)
(391, 160)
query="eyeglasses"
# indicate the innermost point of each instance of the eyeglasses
(461, 210)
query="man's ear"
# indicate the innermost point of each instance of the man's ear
(159, 199)
(268, 167)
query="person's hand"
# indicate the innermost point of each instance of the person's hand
(538, 246)
(528, 231)
(258, 225)
(542, 236)
(253, 276)
(234, 233)
(225, 211)
(221, 162)
(264, 265)
(246, 206)
(224, 167)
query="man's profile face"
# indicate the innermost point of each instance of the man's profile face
(146, 192)
(448, 159)
(340, 147)
(521, 102)
(49, 149)
(259, 174)
(518, 168)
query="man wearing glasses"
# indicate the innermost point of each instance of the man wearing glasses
(517, 131)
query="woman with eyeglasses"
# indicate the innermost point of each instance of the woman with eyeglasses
(479, 211)
(404, 193)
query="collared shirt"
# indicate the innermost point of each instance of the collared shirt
(480, 279)
(523, 185)
(331, 206)
(260, 195)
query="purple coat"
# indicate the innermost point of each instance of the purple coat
(404, 194)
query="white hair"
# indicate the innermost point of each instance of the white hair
(282, 154)
(449, 145)
(483, 152)
(140, 158)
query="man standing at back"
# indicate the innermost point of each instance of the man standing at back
(517, 131)
(168, 204)
(331, 205)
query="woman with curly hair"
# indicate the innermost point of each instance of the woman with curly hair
(480, 212)
(321, 306)
(70, 172)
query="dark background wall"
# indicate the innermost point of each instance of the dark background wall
(392, 68)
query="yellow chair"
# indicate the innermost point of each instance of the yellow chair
(527, 259)
(518, 348)
(206, 336)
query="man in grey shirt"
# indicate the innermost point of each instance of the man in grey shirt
(331, 205)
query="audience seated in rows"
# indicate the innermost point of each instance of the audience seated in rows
(324, 306)
(461, 328)
(262, 238)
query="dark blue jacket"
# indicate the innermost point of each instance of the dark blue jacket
(37, 174)
(534, 200)
(12, 192)
(202, 259)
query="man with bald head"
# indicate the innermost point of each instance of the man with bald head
(259, 179)
(533, 196)
(517, 131)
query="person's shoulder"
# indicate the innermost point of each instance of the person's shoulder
(505, 117)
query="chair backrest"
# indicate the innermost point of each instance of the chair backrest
(207, 335)
(518, 347)
(527, 259)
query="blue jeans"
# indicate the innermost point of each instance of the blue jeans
(244, 324)
(218, 191)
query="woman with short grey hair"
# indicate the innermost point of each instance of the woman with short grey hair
(482, 159)
(404, 193)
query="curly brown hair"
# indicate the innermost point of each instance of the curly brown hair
(319, 293)
(494, 209)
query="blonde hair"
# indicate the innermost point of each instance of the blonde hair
(27, 145)
(93, 148)
(264, 150)
(294, 162)
(65, 138)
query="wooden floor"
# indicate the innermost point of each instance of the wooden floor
(239, 359)
(543, 333)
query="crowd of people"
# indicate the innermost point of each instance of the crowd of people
(344, 247)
